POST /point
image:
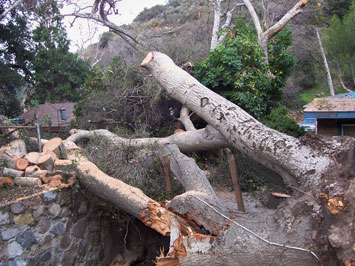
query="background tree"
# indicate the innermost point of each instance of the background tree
(340, 44)
(237, 69)
(58, 74)
(16, 54)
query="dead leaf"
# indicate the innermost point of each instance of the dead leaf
(280, 195)
(336, 205)
(324, 196)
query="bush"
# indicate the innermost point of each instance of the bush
(279, 120)
(236, 69)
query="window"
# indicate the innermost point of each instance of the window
(63, 114)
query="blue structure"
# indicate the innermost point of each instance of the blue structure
(335, 116)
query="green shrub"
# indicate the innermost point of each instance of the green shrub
(236, 69)
(279, 120)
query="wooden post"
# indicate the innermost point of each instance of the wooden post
(234, 175)
(165, 161)
(39, 137)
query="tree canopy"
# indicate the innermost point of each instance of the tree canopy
(237, 69)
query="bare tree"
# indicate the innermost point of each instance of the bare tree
(325, 61)
(264, 36)
(216, 37)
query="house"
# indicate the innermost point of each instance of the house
(50, 114)
(334, 116)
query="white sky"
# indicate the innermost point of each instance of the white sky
(84, 32)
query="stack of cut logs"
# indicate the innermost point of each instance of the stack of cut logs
(33, 168)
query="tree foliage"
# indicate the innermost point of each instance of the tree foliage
(237, 70)
(340, 42)
(58, 73)
(16, 54)
(338, 8)
(280, 120)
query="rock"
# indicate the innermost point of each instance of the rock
(339, 237)
(4, 218)
(45, 256)
(54, 210)
(24, 219)
(68, 258)
(14, 250)
(79, 228)
(95, 226)
(82, 247)
(58, 228)
(83, 208)
(43, 225)
(38, 212)
(19, 262)
(49, 196)
(65, 241)
(17, 208)
(9, 233)
(26, 239)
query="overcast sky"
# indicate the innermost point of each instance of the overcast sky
(84, 32)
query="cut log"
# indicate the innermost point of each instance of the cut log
(21, 164)
(63, 164)
(32, 157)
(11, 152)
(52, 145)
(28, 181)
(52, 154)
(52, 180)
(35, 171)
(46, 162)
(11, 172)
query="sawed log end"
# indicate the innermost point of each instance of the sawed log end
(149, 57)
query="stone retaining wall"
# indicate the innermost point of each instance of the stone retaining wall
(56, 227)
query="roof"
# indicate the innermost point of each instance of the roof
(343, 95)
(330, 105)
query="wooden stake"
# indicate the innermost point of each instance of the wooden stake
(234, 175)
(39, 137)
(165, 161)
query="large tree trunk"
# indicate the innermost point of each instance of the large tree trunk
(295, 161)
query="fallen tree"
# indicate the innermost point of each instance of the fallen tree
(318, 217)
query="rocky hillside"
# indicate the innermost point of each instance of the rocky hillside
(183, 31)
